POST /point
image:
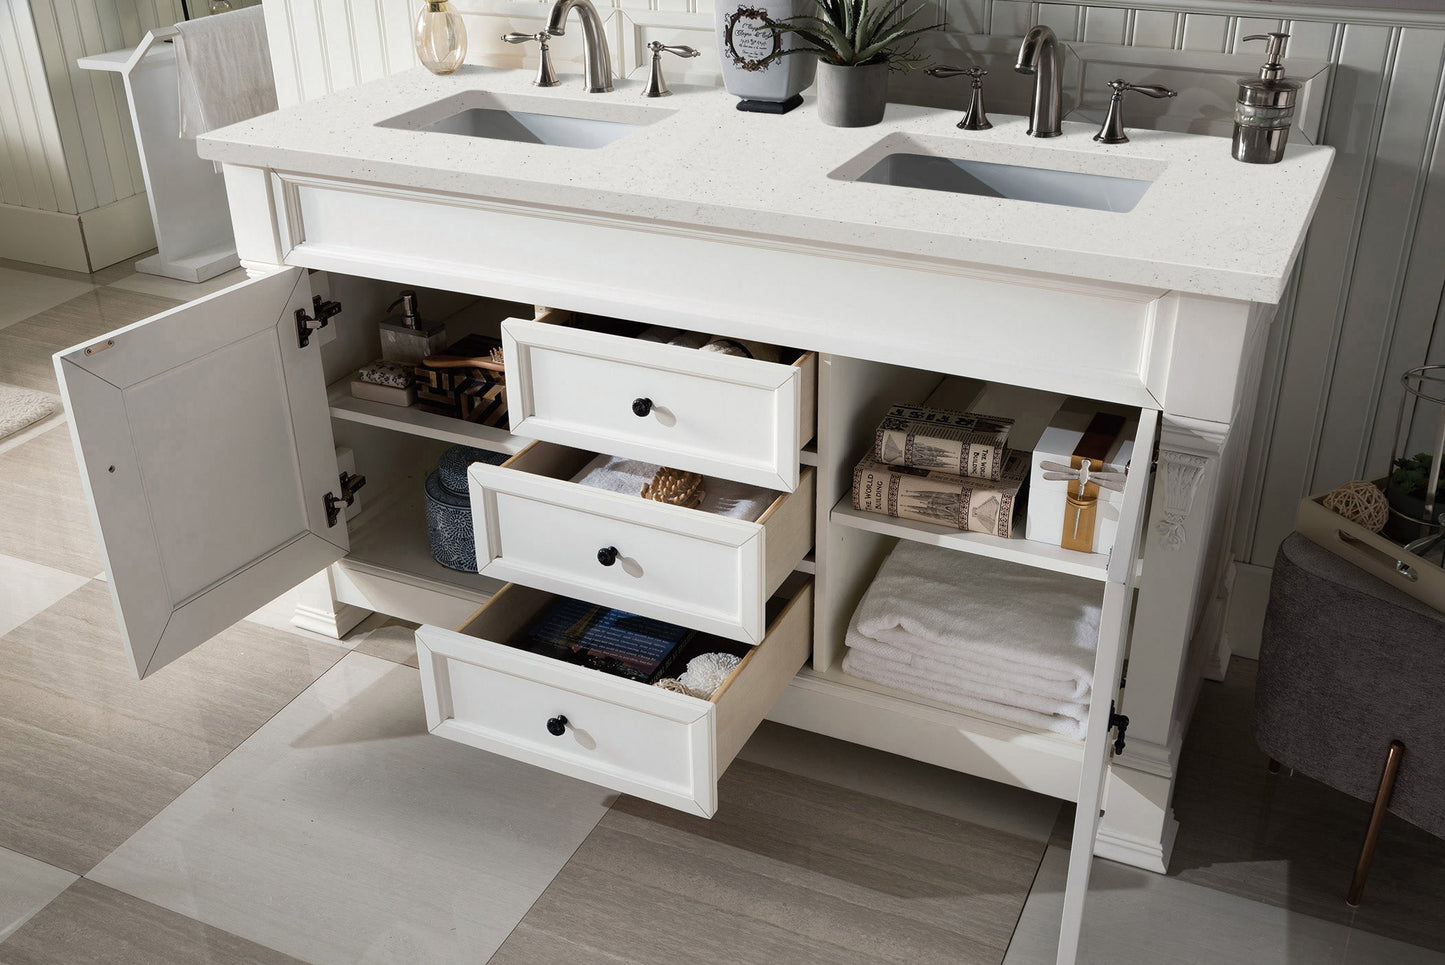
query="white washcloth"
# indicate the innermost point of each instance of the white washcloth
(224, 65)
(961, 628)
(723, 497)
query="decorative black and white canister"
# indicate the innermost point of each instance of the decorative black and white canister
(749, 50)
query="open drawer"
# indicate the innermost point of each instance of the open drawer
(719, 415)
(632, 737)
(536, 527)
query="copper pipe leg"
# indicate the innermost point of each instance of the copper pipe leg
(1377, 819)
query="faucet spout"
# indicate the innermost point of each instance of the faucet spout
(1039, 55)
(596, 61)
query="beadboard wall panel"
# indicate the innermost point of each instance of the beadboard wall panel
(1366, 303)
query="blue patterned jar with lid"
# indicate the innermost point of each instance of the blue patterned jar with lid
(449, 508)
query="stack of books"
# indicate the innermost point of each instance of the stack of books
(945, 467)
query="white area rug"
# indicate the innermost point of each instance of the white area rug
(23, 407)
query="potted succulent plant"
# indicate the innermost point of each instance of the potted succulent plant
(857, 42)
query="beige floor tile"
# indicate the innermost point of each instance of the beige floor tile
(393, 640)
(175, 288)
(343, 832)
(88, 754)
(93, 923)
(102, 277)
(869, 771)
(26, 364)
(28, 588)
(1136, 916)
(44, 516)
(87, 316)
(789, 870)
(26, 886)
(28, 293)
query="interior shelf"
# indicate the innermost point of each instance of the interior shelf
(418, 422)
(808, 455)
(1093, 566)
(390, 539)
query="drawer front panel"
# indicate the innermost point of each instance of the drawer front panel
(719, 415)
(685, 567)
(630, 737)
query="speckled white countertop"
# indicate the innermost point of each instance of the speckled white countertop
(1208, 225)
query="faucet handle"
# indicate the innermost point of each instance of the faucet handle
(1112, 131)
(546, 76)
(975, 118)
(656, 85)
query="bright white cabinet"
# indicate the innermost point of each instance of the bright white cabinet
(205, 446)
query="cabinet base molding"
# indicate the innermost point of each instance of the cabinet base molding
(1138, 852)
(335, 623)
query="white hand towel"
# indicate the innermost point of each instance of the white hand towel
(723, 497)
(224, 65)
(1021, 637)
(862, 664)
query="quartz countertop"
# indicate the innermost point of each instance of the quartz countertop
(1208, 225)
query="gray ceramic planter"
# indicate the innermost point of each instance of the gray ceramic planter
(852, 96)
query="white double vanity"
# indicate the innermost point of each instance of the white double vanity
(887, 258)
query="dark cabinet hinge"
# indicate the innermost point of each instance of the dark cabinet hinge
(350, 483)
(1119, 723)
(306, 324)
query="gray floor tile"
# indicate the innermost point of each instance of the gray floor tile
(26, 364)
(26, 886)
(28, 293)
(1135, 916)
(28, 588)
(44, 516)
(914, 783)
(789, 870)
(175, 288)
(86, 316)
(93, 923)
(343, 832)
(88, 754)
(393, 640)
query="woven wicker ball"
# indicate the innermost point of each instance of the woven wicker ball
(1360, 502)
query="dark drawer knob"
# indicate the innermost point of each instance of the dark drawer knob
(607, 555)
(557, 726)
(641, 407)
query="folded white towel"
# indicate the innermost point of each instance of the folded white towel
(859, 663)
(1021, 637)
(723, 497)
(224, 65)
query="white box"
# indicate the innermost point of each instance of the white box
(1047, 497)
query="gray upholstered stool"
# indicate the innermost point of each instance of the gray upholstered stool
(1351, 681)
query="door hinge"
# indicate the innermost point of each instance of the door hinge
(350, 483)
(306, 324)
(1119, 723)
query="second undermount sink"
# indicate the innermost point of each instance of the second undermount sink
(528, 119)
(1045, 176)
(987, 179)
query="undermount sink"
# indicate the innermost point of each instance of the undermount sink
(1073, 189)
(527, 120)
(1045, 176)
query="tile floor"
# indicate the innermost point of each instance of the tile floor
(221, 813)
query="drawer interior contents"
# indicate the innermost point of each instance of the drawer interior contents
(708, 494)
(681, 338)
(628, 645)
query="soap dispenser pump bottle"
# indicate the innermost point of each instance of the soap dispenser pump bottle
(1264, 110)
(408, 338)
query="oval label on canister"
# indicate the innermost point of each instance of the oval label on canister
(749, 40)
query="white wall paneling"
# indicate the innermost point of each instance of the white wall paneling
(69, 146)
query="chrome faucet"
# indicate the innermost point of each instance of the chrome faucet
(1039, 55)
(596, 61)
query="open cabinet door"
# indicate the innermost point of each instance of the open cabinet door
(204, 442)
(1108, 665)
